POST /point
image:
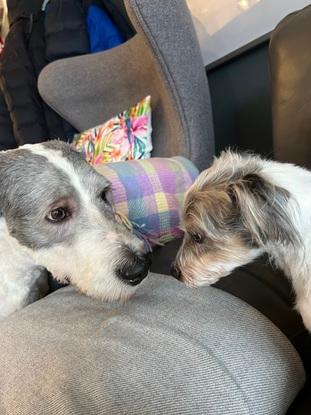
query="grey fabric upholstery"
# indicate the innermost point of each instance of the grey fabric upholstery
(170, 350)
(163, 59)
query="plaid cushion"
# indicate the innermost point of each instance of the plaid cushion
(148, 194)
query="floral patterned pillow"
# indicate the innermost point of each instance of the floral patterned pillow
(124, 137)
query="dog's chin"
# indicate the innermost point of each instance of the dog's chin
(115, 291)
(197, 279)
(108, 290)
(121, 293)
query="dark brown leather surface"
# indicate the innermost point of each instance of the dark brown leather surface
(290, 66)
(290, 62)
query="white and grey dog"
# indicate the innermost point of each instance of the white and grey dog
(241, 207)
(56, 213)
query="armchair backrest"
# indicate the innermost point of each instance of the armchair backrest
(163, 59)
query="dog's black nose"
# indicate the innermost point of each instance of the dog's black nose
(175, 272)
(136, 271)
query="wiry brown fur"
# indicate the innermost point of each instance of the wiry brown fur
(241, 207)
(230, 207)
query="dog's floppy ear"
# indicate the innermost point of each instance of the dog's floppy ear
(9, 174)
(262, 207)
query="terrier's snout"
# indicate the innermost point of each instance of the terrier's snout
(135, 270)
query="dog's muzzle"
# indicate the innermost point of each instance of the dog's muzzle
(134, 272)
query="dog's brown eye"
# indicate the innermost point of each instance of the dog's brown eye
(58, 214)
(196, 237)
(103, 196)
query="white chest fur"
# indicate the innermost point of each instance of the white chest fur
(18, 273)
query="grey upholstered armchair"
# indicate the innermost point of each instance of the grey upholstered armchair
(163, 59)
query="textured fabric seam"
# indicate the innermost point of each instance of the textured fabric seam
(165, 73)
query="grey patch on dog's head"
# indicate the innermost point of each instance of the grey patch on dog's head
(89, 177)
(262, 210)
(86, 173)
(233, 196)
(68, 152)
(30, 186)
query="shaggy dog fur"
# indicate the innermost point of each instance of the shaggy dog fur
(241, 207)
(56, 213)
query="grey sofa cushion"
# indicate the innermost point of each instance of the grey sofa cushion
(170, 350)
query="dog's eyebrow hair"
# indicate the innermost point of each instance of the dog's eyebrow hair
(56, 158)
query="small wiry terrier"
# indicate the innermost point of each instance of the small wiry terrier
(56, 213)
(241, 207)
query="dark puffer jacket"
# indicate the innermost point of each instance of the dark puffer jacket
(22, 8)
(7, 139)
(32, 42)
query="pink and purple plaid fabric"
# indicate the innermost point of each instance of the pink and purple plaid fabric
(150, 193)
